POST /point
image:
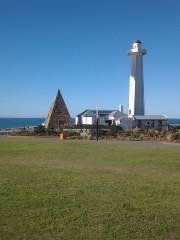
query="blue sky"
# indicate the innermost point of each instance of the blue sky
(80, 47)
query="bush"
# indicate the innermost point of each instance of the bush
(22, 133)
(135, 132)
(114, 131)
(40, 130)
(172, 136)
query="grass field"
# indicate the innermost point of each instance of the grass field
(63, 190)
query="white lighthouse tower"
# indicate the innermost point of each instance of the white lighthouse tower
(136, 82)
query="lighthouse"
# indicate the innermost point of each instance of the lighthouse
(135, 118)
(136, 82)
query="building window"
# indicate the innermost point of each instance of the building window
(160, 123)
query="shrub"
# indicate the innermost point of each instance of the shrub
(172, 136)
(114, 131)
(22, 133)
(40, 130)
(150, 133)
(135, 132)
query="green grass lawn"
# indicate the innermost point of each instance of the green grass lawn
(64, 190)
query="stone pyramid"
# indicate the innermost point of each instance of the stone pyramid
(58, 116)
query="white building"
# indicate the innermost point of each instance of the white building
(105, 117)
(89, 117)
(136, 82)
(136, 113)
(150, 121)
(136, 93)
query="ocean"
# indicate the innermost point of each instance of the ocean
(25, 122)
(174, 121)
(19, 122)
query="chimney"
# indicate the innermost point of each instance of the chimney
(121, 108)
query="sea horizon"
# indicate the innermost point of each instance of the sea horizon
(20, 122)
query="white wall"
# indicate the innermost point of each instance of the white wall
(136, 82)
(76, 121)
(87, 120)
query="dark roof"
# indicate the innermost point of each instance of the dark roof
(137, 41)
(151, 117)
(82, 112)
(100, 112)
(122, 114)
